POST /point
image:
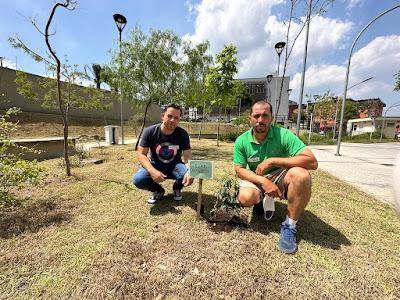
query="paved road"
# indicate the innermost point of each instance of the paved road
(369, 167)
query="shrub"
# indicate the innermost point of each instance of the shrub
(230, 136)
(227, 198)
(15, 172)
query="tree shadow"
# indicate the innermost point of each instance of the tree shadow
(310, 228)
(168, 205)
(31, 217)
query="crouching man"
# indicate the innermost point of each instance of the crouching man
(166, 141)
(272, 161)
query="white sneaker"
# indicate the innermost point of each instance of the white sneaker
(177, 195)
(155, 196)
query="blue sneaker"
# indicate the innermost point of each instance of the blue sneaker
(287, 240)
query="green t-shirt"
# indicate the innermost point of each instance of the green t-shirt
(279, 142)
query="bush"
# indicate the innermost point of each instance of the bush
(317, 139)
(15, 172)
(244, 119)
(231, 136)
(227, 198)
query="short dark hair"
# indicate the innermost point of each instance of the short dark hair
(173, 105)
(261, 102)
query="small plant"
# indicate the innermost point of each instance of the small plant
(81, 152)
(135, 122)
(15, 172)
(227, 198)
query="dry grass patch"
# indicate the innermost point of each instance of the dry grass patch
(92, 236)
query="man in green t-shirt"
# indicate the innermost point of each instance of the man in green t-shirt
(272, 162)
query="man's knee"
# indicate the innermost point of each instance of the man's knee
(248, 196)
(298, 175)
(137, 180)
(179, 171)
(141, 178)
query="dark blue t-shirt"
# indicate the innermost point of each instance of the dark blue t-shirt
(165, 148)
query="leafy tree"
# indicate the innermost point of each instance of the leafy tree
(244, 119)
(96, 72)
(302, 117)
(15, 172)
(192, 92)
(220, 83)
(157, 68)
(325, 107)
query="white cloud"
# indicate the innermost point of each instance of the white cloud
(8, 64)
(379, 59)
(254, 31)
(353, 3)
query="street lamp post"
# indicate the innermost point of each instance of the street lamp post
(347, 75)
(308, 103)
(384, 117)
(268, 90)
(120, 21)
(303, 73)
(337, 103)
(309, 135)
(335, 99)
(288, 93)
(372, 127)
(279, 48)
(316, 97)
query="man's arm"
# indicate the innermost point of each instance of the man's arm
(305, 159)
(156, 175)
(267, 185)
(187, 155)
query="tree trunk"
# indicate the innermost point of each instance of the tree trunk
(203, 121)
(144, 122)
(60, 104)
(219, 123)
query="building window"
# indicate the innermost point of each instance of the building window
(250, 88)
(260, 89)
(390, 124)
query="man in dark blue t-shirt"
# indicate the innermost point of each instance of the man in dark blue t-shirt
(166, 142)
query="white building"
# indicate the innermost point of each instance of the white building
(391, 126)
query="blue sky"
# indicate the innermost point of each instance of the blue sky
(253, 26)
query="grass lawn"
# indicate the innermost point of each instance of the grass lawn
(92, 236)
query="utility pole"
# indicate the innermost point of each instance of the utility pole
(303, 75)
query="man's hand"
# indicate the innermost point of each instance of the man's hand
(157, 176)
(271, 189)
(264, 166)
(187, 180)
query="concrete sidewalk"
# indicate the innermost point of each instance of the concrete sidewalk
(89, 145)
(368, 167)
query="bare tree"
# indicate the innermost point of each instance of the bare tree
(55, 62)
(317, 7)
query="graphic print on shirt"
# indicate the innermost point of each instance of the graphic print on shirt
(166, 151)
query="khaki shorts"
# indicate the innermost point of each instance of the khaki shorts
(276, 177)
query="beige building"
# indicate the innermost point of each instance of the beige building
(390, 126)
(9, 97)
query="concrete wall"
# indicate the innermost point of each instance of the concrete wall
(9, 97)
